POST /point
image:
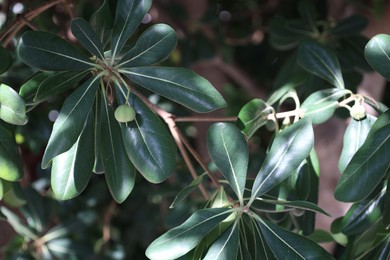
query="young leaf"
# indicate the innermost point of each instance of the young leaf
(229, 151)
(148, 143)
(128, 16)
(6, 60)
(290, 147)
(253, 116)
(101, 22)
(71, 120)
(288, 245)
(377, 54)
(153, 46)
(186, 191)
(182, 239)
(57, 83)
(71, 171)
(321, 61)
(180, 85)
(367, 167)
(354, 137)
(47, 51)
(118, 169)
(10, 162)
(84, 33)
(352, 25)
(226, 246)
(12, 107)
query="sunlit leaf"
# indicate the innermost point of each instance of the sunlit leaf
(252, 116)
(12, 106)
(101, 22)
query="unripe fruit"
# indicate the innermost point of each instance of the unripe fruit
(124, 113)
(358, 111)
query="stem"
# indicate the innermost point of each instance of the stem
(107, 220)
(205, 119)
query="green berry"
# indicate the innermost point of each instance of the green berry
(358, 111)
(124, 113)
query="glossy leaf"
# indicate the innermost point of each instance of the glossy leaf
(153, 46)
(299, 204)
(180, 85)
(321, 61)
(182, 239)
(71, 171)
(386, 205)
(187, 191)
(10, 162)
(252, 116)
(128, 16)
(57, 83)
(288, 245)
(322, 104)
(71, 120)
(377, 54)
(101, 22)
(6, 60)
(229, 151)
(12, 107)
(366, 168)
(289, 148)
(352, 25)
(30, 88)
(354, 137)
(84, 33)
(97, 122)
(225, 246)
(118, 169)
(47, 51)
(148, 143)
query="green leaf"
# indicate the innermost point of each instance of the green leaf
(36, 209)
(354, 137)
(377, 53)
(252, 116)
(187, 191)
(299, 204)
(57, 84)
(10, 162)
(180, 85)
(101, 22)
(84, 33)
(148, 143)
(308, 12)
(182, 239)
(6, 60)
(322, 104)
(128, 16)
(118, 169)
(67, 248)
(47, 51)
(288, 245)
(229, 151)
(352, 25)
(98, 111)
(71, 171)
(368, 166)
(153, 46)
(226, 246)
(17, 224)
(321, 61)
(12, 107)
(321, 236)
(71, 120)
(30, 88)
(386, 205)
(290, 147)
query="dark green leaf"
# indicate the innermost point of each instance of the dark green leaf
(47, 51)
(367, 167)
(12, 107)
(6, 60)
(180, 85)
(321, 61)
(321, 236)
(322, 104)
(30, 88)
(98, 111)
(118, 169)
(377, 54)
(299, 204)
(35, 209)
(187, 191)
(252, 116)
(288, 245)
(226, 246)
(182, 239)
(229, 151)
(71, 171)
(101, 22)
(308, 12)
(57, 83)
(386, 205)
(84, 33)
(17, 224)
(290, 147)
(153, 46)
(352, 25)
(128, 16)
(67, 248)
(71, 120)
(10, 162)
(289, 76)
(148, 143)
(354, 137)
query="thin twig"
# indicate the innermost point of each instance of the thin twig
(205, 119)
(107, 221)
